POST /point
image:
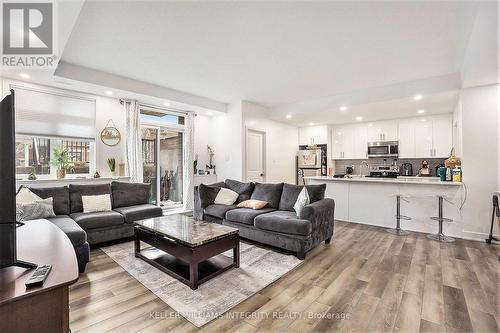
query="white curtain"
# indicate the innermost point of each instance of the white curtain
(133, 143)
(188, 162)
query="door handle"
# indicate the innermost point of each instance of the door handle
(261, 174)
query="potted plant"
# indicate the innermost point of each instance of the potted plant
(62, 160)
(112, 167)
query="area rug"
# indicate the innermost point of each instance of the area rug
(259, 267)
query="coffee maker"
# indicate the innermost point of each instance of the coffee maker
(406, 169)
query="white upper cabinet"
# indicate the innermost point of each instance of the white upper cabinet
(406, 130)
(386, 130)
(349, 142)
(419, 137)
(442, 136)
(313, 135)
(423, 138)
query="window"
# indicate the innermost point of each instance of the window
(33, 155)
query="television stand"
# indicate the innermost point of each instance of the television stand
(24, 264)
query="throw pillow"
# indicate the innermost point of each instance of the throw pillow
(254, 204)
(226, 197)
(302, 201)
(24, 196)
(268, 192)
(96, 203)
(40, 209)
(244, 190)
(207, 193)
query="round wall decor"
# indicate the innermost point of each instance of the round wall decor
(110, 135)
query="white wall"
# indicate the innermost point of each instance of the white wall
(226, 133)
(478, 115)
(282, 143)
(203, 136)
(109, 108)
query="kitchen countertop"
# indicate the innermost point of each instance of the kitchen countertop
(400, 180)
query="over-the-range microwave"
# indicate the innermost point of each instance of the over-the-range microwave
(383, 149)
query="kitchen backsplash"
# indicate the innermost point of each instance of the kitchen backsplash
(416, 163)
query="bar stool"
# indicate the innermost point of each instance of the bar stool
(440, 237)
(398, 231)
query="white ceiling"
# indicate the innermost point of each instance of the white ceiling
(273, 53)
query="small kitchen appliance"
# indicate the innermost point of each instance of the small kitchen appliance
(424, 170)
(407, 169)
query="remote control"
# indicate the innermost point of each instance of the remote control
(39, 275)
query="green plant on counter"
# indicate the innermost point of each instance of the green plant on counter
(111, 164)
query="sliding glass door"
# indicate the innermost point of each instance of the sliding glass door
(163, 156)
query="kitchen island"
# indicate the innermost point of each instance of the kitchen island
(372, 201)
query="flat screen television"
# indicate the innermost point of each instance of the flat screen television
(8, 225)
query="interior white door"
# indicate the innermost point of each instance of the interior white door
(255, 152)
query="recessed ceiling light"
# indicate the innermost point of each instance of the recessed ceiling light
(166, 103)
(311, 124)
(417, 97)
(370, 125)
(24, 75)
(359, 118)
(109, 92)
(288, 116)
(209, 113)
(343, 108)
(421, 111)
(422, 120)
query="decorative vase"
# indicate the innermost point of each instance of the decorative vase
(61, 173)
(113, 174)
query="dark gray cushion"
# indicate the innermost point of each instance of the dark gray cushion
(130, 194)
(75, 233)
(246, 215)
(291, 193)
(60, 196)
(76, 192)
(268, 192)
(244, 190)
(316, 192)
(208, 193)
(98, 219)
(218, 210)
(284, 222)
(139, 212)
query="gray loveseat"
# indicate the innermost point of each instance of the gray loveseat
(129, 203)
(277, 224)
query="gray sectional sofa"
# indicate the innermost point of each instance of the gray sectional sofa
(278, 224)
(129, 203)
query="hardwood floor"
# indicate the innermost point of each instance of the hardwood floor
(365, 280)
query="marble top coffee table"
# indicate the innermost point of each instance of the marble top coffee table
(187, 249)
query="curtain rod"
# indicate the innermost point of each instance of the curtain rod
(156, 107)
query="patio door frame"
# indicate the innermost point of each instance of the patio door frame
(158, 126)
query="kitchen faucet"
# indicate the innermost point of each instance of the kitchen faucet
(363, 163)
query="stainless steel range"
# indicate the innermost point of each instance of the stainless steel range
(384, 171)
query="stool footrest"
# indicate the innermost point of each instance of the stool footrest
(397, 231)
(403, 217)
(441, 219)
(441, 238)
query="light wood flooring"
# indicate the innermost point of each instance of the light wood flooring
(366, 280)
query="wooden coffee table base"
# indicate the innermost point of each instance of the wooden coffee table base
(190, 265)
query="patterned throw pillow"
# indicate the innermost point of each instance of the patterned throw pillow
(302, 201)
(40, 209)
